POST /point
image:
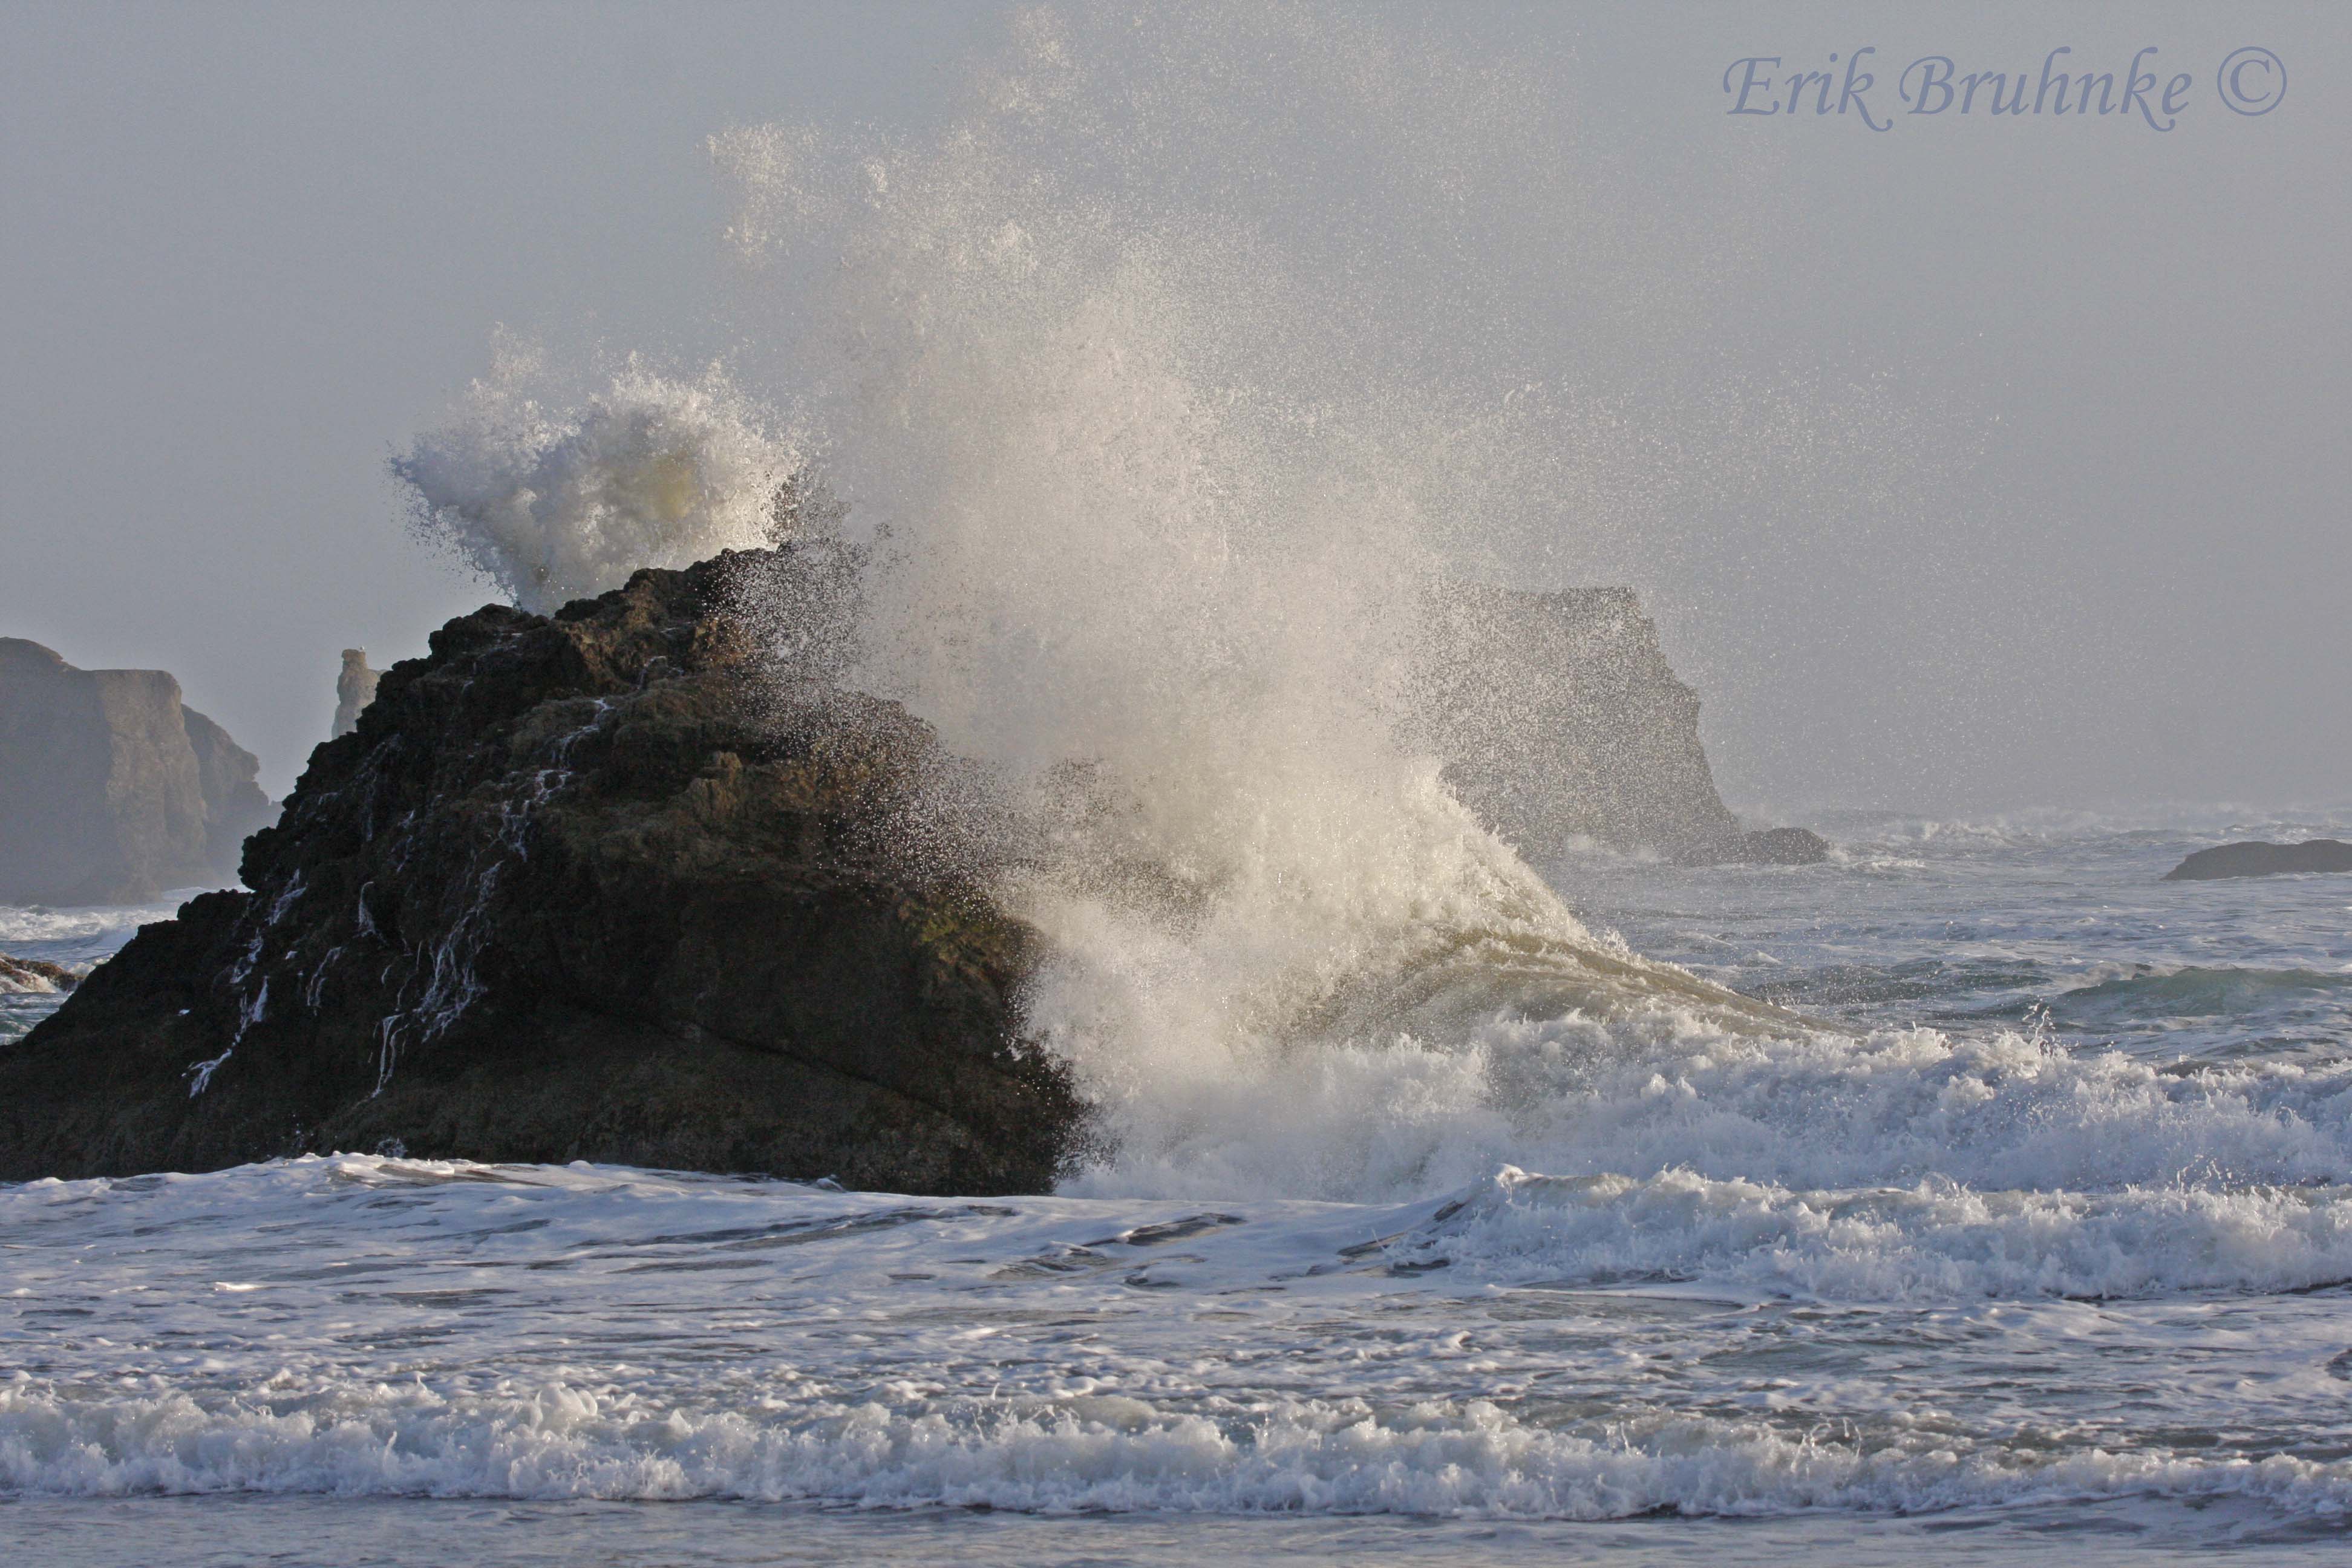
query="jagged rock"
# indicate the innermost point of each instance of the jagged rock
(36, 976)
(355, 686)
(2256, 858)
(110, 789)
(604, 884)
(1558, 719)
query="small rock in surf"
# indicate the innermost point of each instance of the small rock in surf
(2256, 858)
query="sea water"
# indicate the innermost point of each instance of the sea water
(2043, 1242)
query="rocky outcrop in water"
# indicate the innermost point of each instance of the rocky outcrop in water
(355, 686)
(604, 885)
(1560, 720)
(110, 789)
(2256, 858)
(1772, 847)
(34, 976)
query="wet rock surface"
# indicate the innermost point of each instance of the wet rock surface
(606, 885)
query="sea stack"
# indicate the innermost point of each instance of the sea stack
(606, 885)
(1559, 721)
(355, 686)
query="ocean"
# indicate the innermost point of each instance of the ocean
(2036, 1236)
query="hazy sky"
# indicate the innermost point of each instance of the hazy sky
(1978, 463)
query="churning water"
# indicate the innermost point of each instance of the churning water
(2049, 1240)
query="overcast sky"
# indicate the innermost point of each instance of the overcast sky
(1989, 463)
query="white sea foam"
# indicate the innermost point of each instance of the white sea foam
(75, 937)
(363, 1325)
(1641, 1096)
(82, 931)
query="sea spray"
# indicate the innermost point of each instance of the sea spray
(551, 503)
(1151, 530)
(1150, 459)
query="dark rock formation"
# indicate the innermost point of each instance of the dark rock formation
(110, 790)
(20, 976)
(355, 686)
(598, 885)
(2255, 858)
(1778, 846)
(1560, 720)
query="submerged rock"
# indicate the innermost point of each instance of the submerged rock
(2256, 858)
(604, 884)
(110, 789)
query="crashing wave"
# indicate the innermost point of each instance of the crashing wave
(552, 503)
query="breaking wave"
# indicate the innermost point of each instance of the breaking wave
(1148, 519)
(372, 1326)
(1151, 523)
(556, 1441)
(1936, 1241)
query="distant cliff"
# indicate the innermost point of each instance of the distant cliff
(1558, 720)
(111, 790)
